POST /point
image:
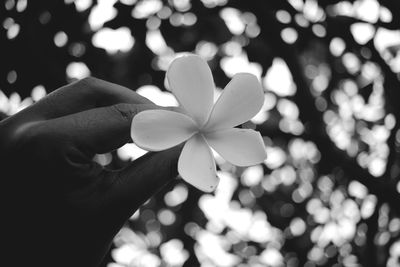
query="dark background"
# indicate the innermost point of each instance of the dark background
(328, 194)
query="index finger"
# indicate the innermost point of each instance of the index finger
(82, 95)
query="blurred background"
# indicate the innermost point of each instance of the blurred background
(329, 192)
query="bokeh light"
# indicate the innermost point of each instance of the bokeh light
(328, 192)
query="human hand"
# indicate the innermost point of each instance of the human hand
(59, 207)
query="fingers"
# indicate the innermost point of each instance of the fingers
(99, 130)
(82, 95)
(136, 183)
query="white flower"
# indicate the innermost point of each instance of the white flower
(202, 124)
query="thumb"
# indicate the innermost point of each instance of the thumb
(145, 176)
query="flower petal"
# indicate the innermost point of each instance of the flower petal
(196, 164)
(241, 147)
(191, 81)
(156, 130)
(241, 100)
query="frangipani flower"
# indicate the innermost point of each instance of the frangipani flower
(203, 124)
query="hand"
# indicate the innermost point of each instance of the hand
(59, 207)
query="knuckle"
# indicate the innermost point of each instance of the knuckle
(90, 84)
(94, 89)
(88, 81)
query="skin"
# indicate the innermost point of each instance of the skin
(59, 208)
